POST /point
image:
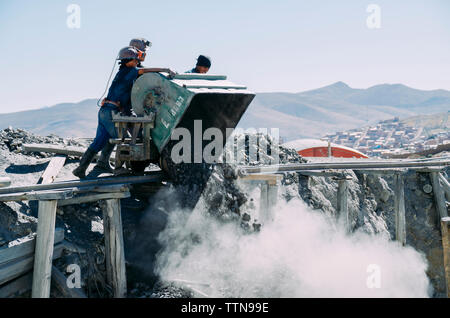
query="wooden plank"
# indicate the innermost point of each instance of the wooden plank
(36, 195)
(445, 186)
(350, 165)
(56, 149)
(439, 197)
(399, 207)
(270, 178)
(342, 203)
(152, 176)
(445, 229)
(54, 167)
(324, 173)
(5, 182)
(16, 287)
(382, 171)
(11, 270)
(429, 169)
(59, 280)
(44, 249)
(8, 254)
(115, 256)
(93, 198)
(102, 189)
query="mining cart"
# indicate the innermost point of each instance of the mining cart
(163, 104)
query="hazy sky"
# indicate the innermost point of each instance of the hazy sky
(272, 45)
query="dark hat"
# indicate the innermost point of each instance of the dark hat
(204, 61)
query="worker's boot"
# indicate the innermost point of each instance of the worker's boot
(87, 158)
(103, 161)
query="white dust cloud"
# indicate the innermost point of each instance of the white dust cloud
(299, 254)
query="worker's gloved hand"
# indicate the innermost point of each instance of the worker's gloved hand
(171, 73)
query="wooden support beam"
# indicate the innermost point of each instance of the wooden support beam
(153, 176)
(323, 173)
(445, 229)
(350, 165)
(272, 198)
(265, 178)
(94, 198)
(439, 197)
(102, 189)
(14, 269)
(445, 186)
(44, 249)
(430, 169)
(342, 203)
(24, 248)
(382, 171)
(399, 207)
(54, 167)
(36, 195)
(115, 257)
(5, 182)
(264, 202)
(61, 150)
(268, 200)
(16, 287)
(59, 280)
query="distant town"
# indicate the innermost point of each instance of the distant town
(390, 137)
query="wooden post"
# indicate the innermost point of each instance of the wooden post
(342, 203)
(264, 202)
(44, 249)
(445, 185)
(272, 197)
(399, 201)
(445, 227)
(439, 197)
(115, 257)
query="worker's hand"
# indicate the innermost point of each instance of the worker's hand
(171, 73)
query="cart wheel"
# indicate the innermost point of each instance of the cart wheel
(139, 166)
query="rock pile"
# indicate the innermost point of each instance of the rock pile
(13, 139)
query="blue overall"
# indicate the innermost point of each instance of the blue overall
(120, 91)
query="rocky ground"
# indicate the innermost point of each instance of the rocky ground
(145, 214)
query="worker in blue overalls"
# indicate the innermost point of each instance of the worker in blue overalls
(103, 164)
(117, 100)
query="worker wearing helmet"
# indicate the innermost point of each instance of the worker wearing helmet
(142, 45)
(202, 66)
(117, 100)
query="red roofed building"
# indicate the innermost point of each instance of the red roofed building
(319, 148)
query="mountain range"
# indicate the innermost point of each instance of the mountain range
(309, 114)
